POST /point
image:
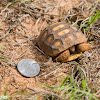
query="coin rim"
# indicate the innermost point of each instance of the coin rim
(24, 74)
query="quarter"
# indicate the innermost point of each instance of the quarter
(28, 67)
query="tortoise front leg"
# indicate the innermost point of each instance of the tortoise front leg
(63, 56)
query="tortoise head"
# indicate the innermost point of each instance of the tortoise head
(83, 47)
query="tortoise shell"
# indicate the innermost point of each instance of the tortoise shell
(58, 37)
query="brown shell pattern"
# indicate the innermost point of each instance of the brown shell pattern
(58, 37)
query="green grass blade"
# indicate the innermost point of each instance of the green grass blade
(84, 84)
(5, 92)
(56, 88)
(2, 58)
(62, 84)
(19, 94)
(49, 86)
(2, 47)
(10, 3)
(84, 24)
(95, 17)
(91, 15)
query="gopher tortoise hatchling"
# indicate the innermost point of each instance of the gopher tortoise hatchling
(62, 42)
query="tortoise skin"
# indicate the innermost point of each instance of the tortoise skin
(59, 37)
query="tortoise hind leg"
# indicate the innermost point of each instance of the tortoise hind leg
(63, 56)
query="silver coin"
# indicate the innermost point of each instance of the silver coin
(28, 67)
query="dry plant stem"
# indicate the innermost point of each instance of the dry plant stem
(4, 35)
(21, 54)
(25, 9)
(31, 12)
(38, 20)
(51, 70)
(44, 92)
(97, 94)
(94, 34)
(42, 26)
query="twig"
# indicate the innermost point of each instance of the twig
(94, 34)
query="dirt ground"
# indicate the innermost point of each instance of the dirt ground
(20, 25)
